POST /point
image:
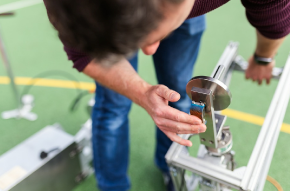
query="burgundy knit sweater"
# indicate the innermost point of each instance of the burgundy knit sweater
(270, 17)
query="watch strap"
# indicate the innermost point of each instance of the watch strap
(262, 60)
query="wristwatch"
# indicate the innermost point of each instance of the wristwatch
(262, 60)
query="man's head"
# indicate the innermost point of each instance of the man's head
(110, 29)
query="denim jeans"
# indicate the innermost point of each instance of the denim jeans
(174, 62)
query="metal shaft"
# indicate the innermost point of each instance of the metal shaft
(10, 73)
(225, 61)
(263, 151)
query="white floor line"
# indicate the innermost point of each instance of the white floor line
(18, 5)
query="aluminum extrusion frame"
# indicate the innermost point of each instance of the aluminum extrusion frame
(253, 176)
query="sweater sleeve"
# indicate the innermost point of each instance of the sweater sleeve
(201, 7)
(270, 17)
(80, 60)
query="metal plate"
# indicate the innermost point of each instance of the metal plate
(221, 95)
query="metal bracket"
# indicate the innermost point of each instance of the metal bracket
(215, 96)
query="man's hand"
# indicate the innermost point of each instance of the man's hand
(258, 72)
(266, 48)
(123, 79)
(169, 120)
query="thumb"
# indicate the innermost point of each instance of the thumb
(168, 94)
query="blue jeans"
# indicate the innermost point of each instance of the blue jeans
(174, 61)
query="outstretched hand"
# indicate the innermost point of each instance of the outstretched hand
(170, 120)
(258, 72)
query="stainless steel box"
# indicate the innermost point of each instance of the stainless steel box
(22, 169)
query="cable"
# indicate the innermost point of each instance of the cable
(79, 97)
(67, 75)
(49, 73)
(275, 183)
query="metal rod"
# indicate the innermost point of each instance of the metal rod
(225, 61)
(268, 161)
(10, 73)
(270, 126)
(275, 126)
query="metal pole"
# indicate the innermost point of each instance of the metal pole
(10, 73)
(24, 104)
(272, 125)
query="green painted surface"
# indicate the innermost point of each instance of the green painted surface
(33, 48)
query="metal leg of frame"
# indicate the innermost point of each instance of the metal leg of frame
(25, 103)
(178, 177)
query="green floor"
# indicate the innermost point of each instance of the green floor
(33, 48)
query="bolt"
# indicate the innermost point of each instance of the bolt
(202, 139)
(211, 142)
(226, 127)
(173, 170)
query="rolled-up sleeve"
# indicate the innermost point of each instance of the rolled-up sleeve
(80, 60)
(270, 17)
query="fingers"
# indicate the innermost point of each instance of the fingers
(268, 80)
(179, 116)
(258, 79)
(261, 79)
(180, 128)
(167, 94)
(258, 72)
(175, 138)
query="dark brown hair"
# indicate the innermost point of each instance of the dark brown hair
(103, 28)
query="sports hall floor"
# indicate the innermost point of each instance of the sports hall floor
(33, 48)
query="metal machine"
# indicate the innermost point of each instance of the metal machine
(49, 160)
(214, 167)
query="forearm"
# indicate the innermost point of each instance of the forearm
(120, 77)
(267, 47)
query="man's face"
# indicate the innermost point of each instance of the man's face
(174, 16)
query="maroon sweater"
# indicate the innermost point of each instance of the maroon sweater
(270, 17)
